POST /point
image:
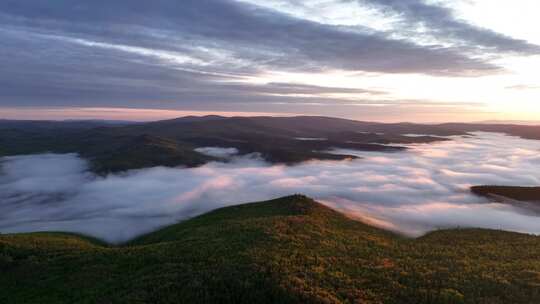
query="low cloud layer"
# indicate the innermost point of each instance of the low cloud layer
(411, 192)
(217, 151)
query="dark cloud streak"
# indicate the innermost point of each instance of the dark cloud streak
(126, 53)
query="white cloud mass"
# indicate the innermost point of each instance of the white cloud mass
(217, 151)
(422, 189)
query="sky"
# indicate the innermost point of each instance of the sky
(379, 60)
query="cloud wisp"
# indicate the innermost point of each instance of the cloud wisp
(411, 192)
(440, 22)
(129, 52)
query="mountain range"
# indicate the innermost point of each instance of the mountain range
(120, 146)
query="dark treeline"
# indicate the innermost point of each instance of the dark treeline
(517, 193)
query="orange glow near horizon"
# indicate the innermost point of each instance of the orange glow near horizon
(128, 114)
(414, 115)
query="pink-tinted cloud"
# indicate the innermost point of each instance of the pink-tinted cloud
(409, 192)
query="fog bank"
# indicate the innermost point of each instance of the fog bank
(412, 192)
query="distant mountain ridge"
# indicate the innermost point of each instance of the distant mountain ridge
(277, 139)
(512, 122)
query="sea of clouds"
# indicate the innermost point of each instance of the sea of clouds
(412, 192)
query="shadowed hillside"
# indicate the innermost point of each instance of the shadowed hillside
(289, 250)
(517, 193)
(110, 147)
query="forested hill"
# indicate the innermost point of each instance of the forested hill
(120, 146)
(289, 250)
(531, 194)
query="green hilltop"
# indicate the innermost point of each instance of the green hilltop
(288, 250)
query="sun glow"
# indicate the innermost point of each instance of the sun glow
(481, 63)
(513, 93)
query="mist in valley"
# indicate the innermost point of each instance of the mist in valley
(421, 189)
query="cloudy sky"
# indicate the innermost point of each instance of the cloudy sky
(385, 60)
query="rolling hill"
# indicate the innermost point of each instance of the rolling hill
(531, 194)
(288, 250)
(121, 146)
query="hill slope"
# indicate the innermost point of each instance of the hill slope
(113, 148)
(278, 139)
(513, 192)
(288, 250)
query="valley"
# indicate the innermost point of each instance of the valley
(121, 146)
